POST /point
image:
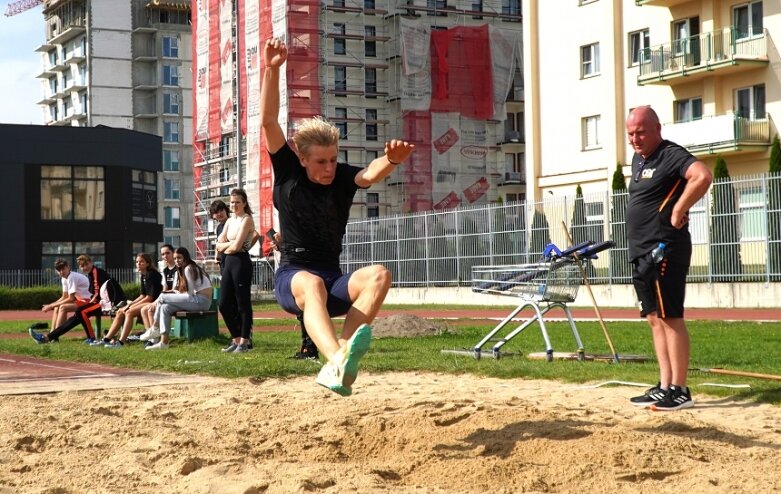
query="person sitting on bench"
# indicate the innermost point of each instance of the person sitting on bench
(125, 317)
(193, 293)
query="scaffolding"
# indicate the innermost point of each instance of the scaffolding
(347, 62)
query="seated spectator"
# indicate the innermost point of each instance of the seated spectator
(102, 292)
(167, 282)
(193, 293)
(75, 292)
(126, 316)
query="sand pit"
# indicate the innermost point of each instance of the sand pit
(400, 433)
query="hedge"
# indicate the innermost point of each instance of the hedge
(34, 298)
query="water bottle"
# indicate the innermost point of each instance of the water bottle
(658, 253)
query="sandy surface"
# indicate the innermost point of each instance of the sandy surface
(400, 433)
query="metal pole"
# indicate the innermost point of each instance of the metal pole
(237, 80)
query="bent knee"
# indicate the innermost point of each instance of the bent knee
(381, 275)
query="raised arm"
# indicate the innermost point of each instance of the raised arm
(274, 56)
(396, 151)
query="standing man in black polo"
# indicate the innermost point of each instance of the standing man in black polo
(666, 181)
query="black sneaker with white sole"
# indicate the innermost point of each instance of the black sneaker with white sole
(677, 398)
(651, 396)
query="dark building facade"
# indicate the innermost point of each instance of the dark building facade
(67, 191)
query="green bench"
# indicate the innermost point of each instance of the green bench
(194, 325)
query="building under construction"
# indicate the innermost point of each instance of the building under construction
(443, 74)
(125, 64)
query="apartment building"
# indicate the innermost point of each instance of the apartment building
(126, 64)
(444, 74)
(708, 68)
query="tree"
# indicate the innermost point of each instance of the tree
(620, 268)
(774, 210)
(725, 238)
(540, 235)
(578, 224)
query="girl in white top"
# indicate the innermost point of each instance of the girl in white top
(193, 293)
(235, 241)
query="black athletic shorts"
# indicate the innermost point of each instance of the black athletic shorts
(660, 288)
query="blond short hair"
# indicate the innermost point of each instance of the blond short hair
(315, 131)
(82, 259)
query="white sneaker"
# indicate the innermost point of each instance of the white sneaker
(150, 334)
(157, 346)
(339, 374)
(330, 376)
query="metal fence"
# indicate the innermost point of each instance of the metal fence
(22, 278)
(735, 228)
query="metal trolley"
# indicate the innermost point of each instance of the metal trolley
(542, 286)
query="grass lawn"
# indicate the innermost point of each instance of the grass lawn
(744, 346)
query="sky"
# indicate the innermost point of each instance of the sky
(20, 35)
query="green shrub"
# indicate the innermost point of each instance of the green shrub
(34, 298)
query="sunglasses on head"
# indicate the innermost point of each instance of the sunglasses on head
(640, 170)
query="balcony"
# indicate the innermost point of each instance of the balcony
(716, 53)
(511, 137)
(512, 178)
(660, 3)
(60, 36)
(724, 134)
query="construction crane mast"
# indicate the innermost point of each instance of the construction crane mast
(20, 6)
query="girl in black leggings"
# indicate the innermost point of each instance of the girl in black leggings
(234, 243)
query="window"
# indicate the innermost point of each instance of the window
(590, 130)
(687, 110)
(595, 220)
(172, 217)
(340, 44)
(51, 251)
(750, 102)
(369, 44)
(170, 75)
(170, 131)
(513, 127)
(53, 86)
(747, 20)
(753, 217)
(515, 163)
(170, 47)
(53, 112)
(698, 222)
(371, 82)
(170, 160)
(340, 80)
(639, 45)
(371, 125)
(171, 188)
(368, 4)
(589, 60)
(72, 193)
(171, 103)
(372, 205)
(342, 156)
(174, 240)
(685, 39)
(371, 156)
(341, 123)
(143, 197)
(477, 6)
(512, 8)
(138, 247)
(338, 3)
(436, 5)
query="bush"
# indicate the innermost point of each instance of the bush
(34, 298)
